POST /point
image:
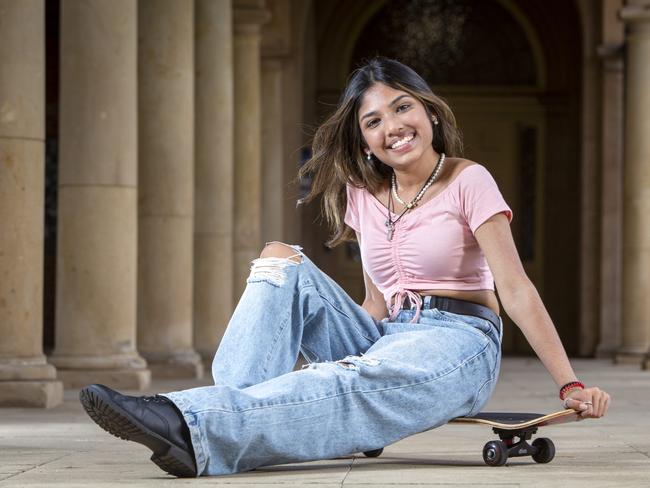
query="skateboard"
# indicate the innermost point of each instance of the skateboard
(510, 425)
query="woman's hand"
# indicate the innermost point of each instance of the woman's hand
(591, 402)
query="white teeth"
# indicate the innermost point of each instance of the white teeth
(402, 141)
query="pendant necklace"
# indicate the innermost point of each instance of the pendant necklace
(390, 223)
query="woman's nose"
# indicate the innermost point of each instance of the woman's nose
(393, 125)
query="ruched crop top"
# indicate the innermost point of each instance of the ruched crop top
(433, 246)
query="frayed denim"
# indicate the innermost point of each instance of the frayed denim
(368, 383)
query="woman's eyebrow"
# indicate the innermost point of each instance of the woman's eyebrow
(374, 112)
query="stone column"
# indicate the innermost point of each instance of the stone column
(589, 179)
(636, 198)
(214, 170)
(25, 377)
(273, 177)
(166, 187)
(248, 16)
(95, 338)
(611, 228)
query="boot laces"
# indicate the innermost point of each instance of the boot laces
(154, 399)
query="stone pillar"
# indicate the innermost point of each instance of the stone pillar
(611, 228)
(25, 377)
(589, 176)
(273, 177)
(295, 80)
(166, 187)
(95, 338)
(213, 180)
(636, 198)
(248, 16)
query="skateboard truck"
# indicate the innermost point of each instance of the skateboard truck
(496, 453)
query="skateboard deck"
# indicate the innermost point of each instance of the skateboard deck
(511, 425)
(516, 421)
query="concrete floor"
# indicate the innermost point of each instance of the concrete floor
(62, 447)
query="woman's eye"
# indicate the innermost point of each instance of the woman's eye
(372, 123)
(404, 106)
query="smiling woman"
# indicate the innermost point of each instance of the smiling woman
(425, 344)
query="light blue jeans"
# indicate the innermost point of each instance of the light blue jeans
(368, 383)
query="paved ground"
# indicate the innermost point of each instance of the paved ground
(62, 447)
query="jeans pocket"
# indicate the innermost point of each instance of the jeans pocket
(479, 325)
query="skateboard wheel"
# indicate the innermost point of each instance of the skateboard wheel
(545, 450)
(374, 452)
(495, 453)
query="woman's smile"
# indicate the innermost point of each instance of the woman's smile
(403, 144)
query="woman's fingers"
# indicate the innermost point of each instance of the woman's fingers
(590, 402)
(600, 400)
(602, 405)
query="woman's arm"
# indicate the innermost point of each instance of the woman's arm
(374, 302)
(523, 305)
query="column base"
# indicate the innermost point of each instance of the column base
(607, 351)
(29, 382)
(31, 393)
(185, 365)
(629, 358)
(123, 371)
(121, 379)
(605, 355)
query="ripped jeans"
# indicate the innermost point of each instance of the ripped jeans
(368, 383)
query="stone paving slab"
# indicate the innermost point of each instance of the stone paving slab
(63, 447)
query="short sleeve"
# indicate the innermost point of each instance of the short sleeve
(352, 210)
(480, 197)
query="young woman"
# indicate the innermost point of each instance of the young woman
(422, 349)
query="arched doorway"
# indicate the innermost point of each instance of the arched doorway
(514, 93)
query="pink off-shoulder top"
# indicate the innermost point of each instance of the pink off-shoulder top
(433, 245)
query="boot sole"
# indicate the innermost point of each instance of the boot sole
(118, 422)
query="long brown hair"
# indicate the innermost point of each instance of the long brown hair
(337, 147)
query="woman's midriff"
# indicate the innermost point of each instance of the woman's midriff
(486, 298)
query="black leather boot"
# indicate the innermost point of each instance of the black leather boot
(150, 420)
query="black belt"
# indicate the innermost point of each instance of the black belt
(454, 305)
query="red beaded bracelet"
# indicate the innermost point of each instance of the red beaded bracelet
(571, 386)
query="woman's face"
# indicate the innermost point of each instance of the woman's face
(395, 126)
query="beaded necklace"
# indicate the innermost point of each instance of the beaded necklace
(390, 223)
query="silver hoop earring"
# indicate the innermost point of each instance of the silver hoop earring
(369, 156)
(435, 120)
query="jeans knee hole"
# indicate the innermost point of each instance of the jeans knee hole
(271, 269)
(352, 362)
(347, 365)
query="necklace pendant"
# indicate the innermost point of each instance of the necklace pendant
(390, 230)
